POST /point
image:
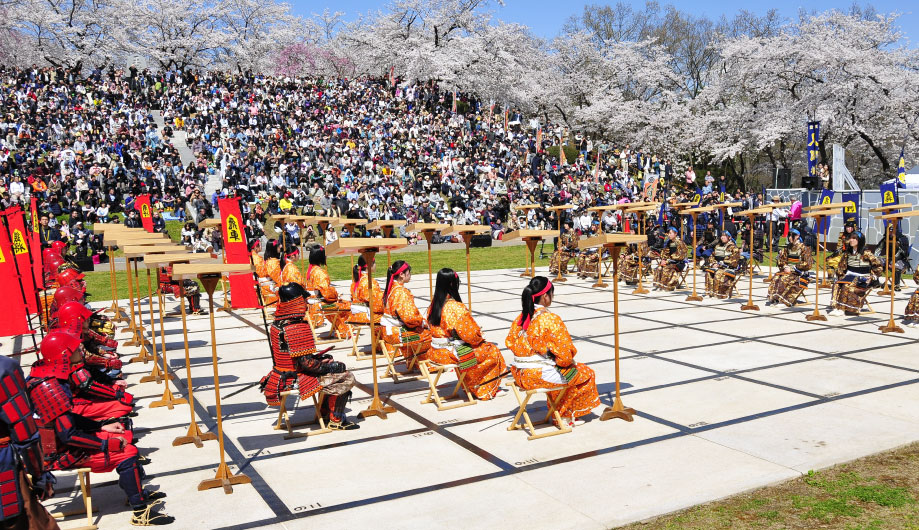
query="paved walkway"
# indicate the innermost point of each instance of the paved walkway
(727, 401)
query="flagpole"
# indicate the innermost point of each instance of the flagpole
(32, 272)
(22, 292)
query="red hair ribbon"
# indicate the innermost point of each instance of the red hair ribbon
(544, 291)
(402, 269)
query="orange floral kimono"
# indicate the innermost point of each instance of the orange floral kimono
(360, 298)
(317, 279)
(269, 279)
(403, 323)
(534, 368)
(291, 274)
(456, 323)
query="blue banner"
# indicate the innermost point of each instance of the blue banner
(826, 197)
(901, 170)
(889, 194)
(850, 211)
(813, 147)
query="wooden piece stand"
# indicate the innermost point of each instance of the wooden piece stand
(428, 230)
(818, 216)
(750, 306)
(559, 210)
(694, 297)
(155, 374)
(386, 227)
(618, 410)
(466, 232)
(118, 312)
(224, 478)
(894, 218)
(140, 333)
(194, 434)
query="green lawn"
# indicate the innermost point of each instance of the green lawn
(98, 283)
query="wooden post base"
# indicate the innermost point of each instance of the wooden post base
(891, 327)
(768, 279)
(155, 375)
(224, 479)
(618, 412)
(377, 408)
(559, 279)
(137, 336)
(749, 307)
(194, 436)
(143, 356)
(884, 292)
(695, 298)
(640, 290)
(815, 316)
(825, 284)
(600, 284)
(168, 400)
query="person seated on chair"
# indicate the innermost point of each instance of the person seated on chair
(72, 440)
(295, 360)
(318, 281)
(181, 288)
(402, 322)
(792, 278)
(360, 293)
(269, 272)
(721, 272)
(290, 273)
(95, 331)
(708, 239)
(832, 262)
(567, 248)
(544, 354)
(911, 315)
(457, 339)
(673, 261)
(588, 263)
(628, 262)
(857, 272)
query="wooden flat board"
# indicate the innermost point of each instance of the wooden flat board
(378, 225)
(643, 203)
(209, 223)
(101, 228)
(611, 240)
(560, 207)
(529, 234)
(143, 250)
(639, 209)
(701, 209)
(526, 206)
(465, 229)
(130, 240)
(779, 204)
(730, 205)
(165, 259)
(890, 207)
(831, 205)
(342, 221)
(757, 211)
(825, 212)
(608, 207)
(899, 215)
(424, 227)
(354, 245)
(181, 270)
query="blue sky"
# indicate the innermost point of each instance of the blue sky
(545, 18)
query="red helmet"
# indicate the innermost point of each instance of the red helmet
(72, 278)
(66, 294)
(56, 349)
(51, 260)
(59, 247)
(71, 316)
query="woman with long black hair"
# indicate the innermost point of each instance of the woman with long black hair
(269, 272)
(457, 339)
(402, 322)
(544, 353)
(361, 276)
(857, 272)
(317, 279)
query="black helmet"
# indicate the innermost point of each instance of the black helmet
(851, 222)
(291, 301)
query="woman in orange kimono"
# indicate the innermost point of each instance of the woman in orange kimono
(290, 273)
(317, 281)
(457, 339)
(544, 354)
(402, 322)
(360, 296)
(269, 273)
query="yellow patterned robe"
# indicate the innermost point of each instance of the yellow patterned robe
(850, 295)
(456, 322)
(400, 305)
(720, 280)
(269, 279)
(667, 275)
(547, 334)
(360, 296)
(338, 311)
(786, 287)
(912, 307)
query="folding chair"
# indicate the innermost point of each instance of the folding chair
(315, 331)
(86, 490)
(552, 413)
(391, 352)
(285, 423)
(356, 329)
(428, 371)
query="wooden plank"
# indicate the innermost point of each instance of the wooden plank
(165, 259)
(181, 270)
(607, 240)
(354, 245)
(466, 229)
(378, 225)
(136, 251)
(423, 227)
(899, 215)
(528, 234)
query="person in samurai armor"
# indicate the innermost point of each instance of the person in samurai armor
(567, 249)
(181, 288)
(588, 263)
(856, 274)
(851, 225)
(97, 400)
(20, 454)
(667, 275)
(99, 353)
(911, 317)
(792, 278)
(708, 239)
(721, 271)
(71, 277)
(71, 440)
(628, 262)
(297, 364)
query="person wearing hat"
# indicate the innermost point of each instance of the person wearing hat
(792, 278)
(851, 225)
(721, 271)
(628, 262)
(856, 274)
(911, 315)
(673, 260)
(568, 248)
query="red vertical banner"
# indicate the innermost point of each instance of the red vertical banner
(37, 265)
(20, 248)
(142, 205)
(242, 286)
(13, 318)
